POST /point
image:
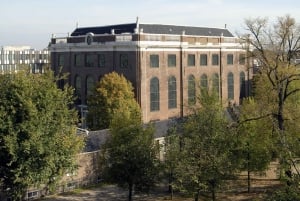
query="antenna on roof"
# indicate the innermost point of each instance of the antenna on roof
(76, 25)
(136, 30)
(137, 22)
(225, 26)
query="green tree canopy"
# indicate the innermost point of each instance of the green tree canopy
(207, 148)
(256, 147)
(113, 93)
(38, 141)
(131, 154)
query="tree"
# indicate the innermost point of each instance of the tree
(172, 155)
(276, 47)
(37, 132)
(256, 146)
(111, 93)
(131, 153)
(207, 148)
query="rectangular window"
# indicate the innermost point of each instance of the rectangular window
(172, 60)
(215, 59)
(78, 60)
(229, 59)
(124, 61)
(203, 60)
(89, 60)
(154, 61)
(101, 60)
(172, 94)
(242, 59)
(191, 60)
(61, 60)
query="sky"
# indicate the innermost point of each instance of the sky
(32, 22)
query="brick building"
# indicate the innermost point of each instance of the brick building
(165, 63)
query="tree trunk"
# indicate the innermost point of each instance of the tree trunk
(170, 184)
(172, 192)
(213, 193)
(248, 169)
(130, 188)
(213, 190)
(197, 195)
(280, 120)
(249, 181)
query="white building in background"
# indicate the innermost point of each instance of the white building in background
(16, 58)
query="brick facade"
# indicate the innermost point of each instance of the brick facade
(130, 53)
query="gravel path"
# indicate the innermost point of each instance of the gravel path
(104, 193)
(113, 193)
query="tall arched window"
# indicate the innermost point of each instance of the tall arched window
(89, 86)
(154, 94)
(242, 85)
(204, 82)
(230, 86)
(216, 83)
(78, 87)
(191, 90)
(172, 93)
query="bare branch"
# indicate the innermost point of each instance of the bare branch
(255, 118)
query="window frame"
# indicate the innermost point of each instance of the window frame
(101, 60)
(216, 83)
(242, 84)
(154, 60)
(191, 90)
(171, 60)
(61, 60)
(172, 92)
(78, 60)
(203, 60)
(204, 82)
(90, 84)
(124, 62)
(230, 86)
(229, 59)
(78, 85)
(89, 60)
(215, 60)
(191, 60)
(154, 95)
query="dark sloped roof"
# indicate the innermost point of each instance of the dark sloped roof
(177, 30)
(120, 28)
(153, 29)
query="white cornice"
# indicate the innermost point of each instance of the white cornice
(144, 46)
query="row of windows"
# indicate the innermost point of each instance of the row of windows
(99, 60)
(191, 60)
(93, 60)
(172, 89)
